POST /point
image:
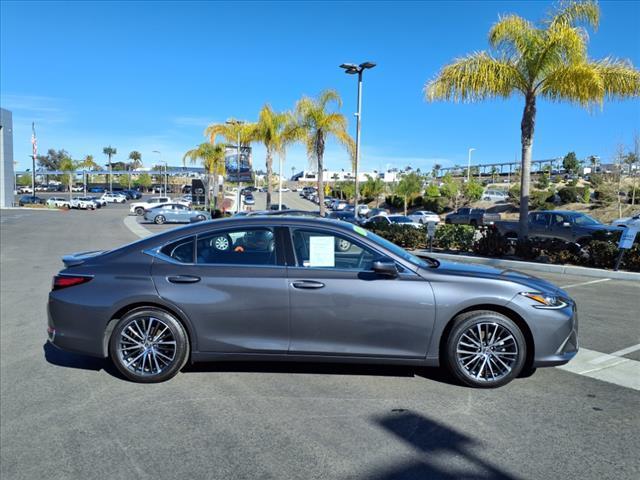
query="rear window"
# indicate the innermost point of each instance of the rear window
(181, 250)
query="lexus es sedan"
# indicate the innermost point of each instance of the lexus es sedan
(303, 289)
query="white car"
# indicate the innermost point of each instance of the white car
(58, 202)
(25, 190)
(424, 216)
(138, 208)
(77, 188)
(389, 219)
(113, 198)
(494, 195)
(285, 189)
(363, 210)
(83, 204)
(633, 221)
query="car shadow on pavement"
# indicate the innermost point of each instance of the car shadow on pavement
(60, 358)
(441, 453)
(435, 374)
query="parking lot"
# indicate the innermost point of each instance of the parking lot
(67, 416)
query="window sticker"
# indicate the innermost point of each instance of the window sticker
(321, 252)
(360, 230)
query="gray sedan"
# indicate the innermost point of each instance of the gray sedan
(303, 289)
(174, 213)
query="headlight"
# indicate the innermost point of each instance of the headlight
(544, 300)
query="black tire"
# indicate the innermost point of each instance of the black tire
(137, 372)
(159, 220)
(473, 223)
(513, 350)
(201, 218)
(139, 211)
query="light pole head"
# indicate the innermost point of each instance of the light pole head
(366, 65)
(350, 68)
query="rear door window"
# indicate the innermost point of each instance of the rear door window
(251, 246)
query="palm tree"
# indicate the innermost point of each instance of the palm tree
(314, 124)
(408, 187)
(88, 164)
(110, 152)
(547, 60)
(372, 188)
(136, 160)
(436, 170)
(276, 131)
(213, 160)
(68, 166)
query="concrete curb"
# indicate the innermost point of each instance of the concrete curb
(538, 267)
(27, 209)
(132, 224)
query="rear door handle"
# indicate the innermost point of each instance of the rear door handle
(184, 279)
(307, 284)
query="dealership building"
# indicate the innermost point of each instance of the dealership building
(7, 177)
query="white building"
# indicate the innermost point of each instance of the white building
(309, 176)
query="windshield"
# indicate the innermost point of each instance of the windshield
(585, 220)
(399, 251)
(400, 219)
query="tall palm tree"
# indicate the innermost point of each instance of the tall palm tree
(88, 163)
(373, 188)
(213, 160)
(314, 124)
(548, 60)
(276, 131)
(136, 160)
(69, 166)
(110, 152)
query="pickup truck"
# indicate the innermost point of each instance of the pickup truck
(472, 216)
(569, 226)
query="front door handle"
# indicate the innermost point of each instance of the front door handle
(307, 284)
(184, 279)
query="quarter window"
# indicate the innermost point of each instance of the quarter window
(327, 250)
(180, 250)
(255, 246)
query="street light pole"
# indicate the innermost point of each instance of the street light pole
(159, 160)
(166, 176)
(469, 165)
(238, 198)
(352, 69)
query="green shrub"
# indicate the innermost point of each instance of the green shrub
(540, 200)
(491, 243)
(405, 236)
(602, 254)
(568, 194)
(394, 201)
(455, 237)
(435, 204)
(631, 258)
(543, 181)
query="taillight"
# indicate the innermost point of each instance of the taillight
(64, 281)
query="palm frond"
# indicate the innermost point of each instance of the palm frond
(476, 77)
(572, 13)
(619, 78)
(579, 83)
(514, 36)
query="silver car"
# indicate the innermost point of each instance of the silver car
(174, 213)
(303, 289)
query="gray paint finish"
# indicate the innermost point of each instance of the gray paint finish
(7, 176)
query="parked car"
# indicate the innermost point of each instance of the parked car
(275, 206)
(97, 200)
(338, 204)
(249, 200)
(632, 221)
(114, 198)
(30, 200)
(472, 216)
(194, 293)
(174, 213)
(569, 226)
(77, 188)
(83, 203)
(380, 220)
(363, 210)
(139, 207)
(377, 211)
(284, 189)
(494, 195)
(25, 189)
(97, 190)
(424, 216)
(58, 202)
(343, 216)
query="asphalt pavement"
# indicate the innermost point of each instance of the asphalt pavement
(64, 416)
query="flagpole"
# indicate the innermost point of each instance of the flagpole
(33, 159)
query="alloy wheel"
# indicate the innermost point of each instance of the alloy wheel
(146, 346)
(487, 352)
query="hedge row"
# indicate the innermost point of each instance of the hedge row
(599, 253)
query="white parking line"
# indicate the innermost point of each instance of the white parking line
(613, 369)
(591, 282)
(619, 353)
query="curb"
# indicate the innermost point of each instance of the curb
(538, 267)
(132, 224)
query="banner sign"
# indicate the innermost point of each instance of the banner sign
(627, 237)
(245, 173)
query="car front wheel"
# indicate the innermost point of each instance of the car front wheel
(159, 220)
(149, 345)
(485, 349)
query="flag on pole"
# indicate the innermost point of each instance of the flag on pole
(34, 140)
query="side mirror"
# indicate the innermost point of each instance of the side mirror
(566, 224)
(385, 267)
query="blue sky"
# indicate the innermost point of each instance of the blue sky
(151, 75)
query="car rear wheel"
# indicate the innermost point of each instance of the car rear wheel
(149, 345)
(201, 218)
(485, 349)
(159, 220)
(139, 211)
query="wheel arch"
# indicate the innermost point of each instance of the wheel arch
(507, 312)
(179, 315)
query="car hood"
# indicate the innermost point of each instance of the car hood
(494, 273)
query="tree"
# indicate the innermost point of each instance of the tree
(23, 180)
(213, 161)
(548, 61)
(51, 161)
(144, 180)
(110, 152)
(276, 131)
(314, 123)
(571, 163)
(135, 158)
(449, 189)
(436, 170)
(472, 190)
(88, 163)
(68, 166)
(373, 188)
(409, 186)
